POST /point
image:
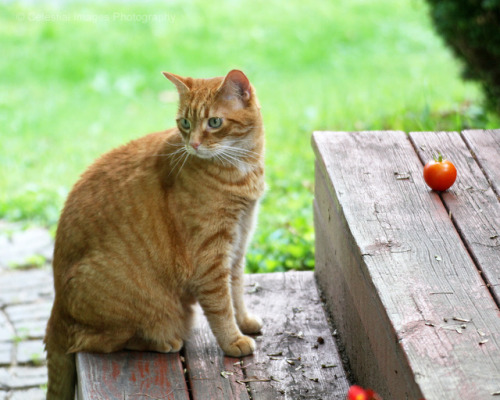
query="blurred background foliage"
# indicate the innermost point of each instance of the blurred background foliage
(472, 30)
(80, 77)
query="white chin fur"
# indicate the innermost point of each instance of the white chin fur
(201, 153)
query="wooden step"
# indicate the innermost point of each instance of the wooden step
(296, 356)
(412, 276)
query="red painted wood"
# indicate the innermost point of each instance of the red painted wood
(294, 320)
(130, 375)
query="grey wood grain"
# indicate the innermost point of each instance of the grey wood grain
(397, 273)
(211, 375)
(130, 375)
(485, 144)
(471, 202)
(296, 355)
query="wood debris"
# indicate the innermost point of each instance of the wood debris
(328, 365)
(254, 288)
(225, 374)
(441, 293)
(299, 335)
(243, 381)
(455, 328)
(461, 319)
(402, 176)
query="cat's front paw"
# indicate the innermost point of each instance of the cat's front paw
(243, 346)
(250, 324)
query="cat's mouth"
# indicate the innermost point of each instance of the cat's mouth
(200, 152)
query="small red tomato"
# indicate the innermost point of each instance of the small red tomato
(440, 174)
(357, 393)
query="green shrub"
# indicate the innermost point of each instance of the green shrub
(472, 29)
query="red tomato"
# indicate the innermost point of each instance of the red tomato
(357, 393)
(440, 174)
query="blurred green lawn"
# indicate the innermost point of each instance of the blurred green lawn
(79, 78)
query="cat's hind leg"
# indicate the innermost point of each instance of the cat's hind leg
(138, 343)
(165, 333)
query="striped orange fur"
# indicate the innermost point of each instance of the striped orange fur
(156, 225)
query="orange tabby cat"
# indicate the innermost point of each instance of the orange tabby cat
(156, 225)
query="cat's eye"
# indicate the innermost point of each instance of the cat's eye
(215, 122)
(185, 124)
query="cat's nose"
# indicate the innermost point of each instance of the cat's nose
(195, 145)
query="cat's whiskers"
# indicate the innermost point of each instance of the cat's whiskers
(222, 160)
(238, 152)
(233, 158)
(183, 163)
(181, 157)
(227, 160)
(244, 152)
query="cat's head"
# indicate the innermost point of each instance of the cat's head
(219, 118)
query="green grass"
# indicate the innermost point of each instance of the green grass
(80, 78)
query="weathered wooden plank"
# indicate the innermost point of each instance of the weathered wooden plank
(486, 147)
(365, 328)
(296, 356)
(394, 250)
(472, 203)
(130, 375)
(211, 374)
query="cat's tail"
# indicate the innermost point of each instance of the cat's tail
(61, 365)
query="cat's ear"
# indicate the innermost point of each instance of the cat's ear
(236, 86)
(180, 83)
